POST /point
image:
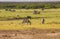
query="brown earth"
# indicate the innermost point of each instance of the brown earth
(30, 34)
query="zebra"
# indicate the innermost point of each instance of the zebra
(26, 20)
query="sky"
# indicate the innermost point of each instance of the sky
(27, 0)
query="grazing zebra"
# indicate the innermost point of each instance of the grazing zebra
(36, 12)
(43, 20)
(26, 20)
(12, 10)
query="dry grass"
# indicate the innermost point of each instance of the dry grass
(17, 25)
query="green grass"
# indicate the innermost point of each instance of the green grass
(24, 13)
(54, 15)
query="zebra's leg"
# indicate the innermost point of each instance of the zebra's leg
(29, 23)
(23, 22)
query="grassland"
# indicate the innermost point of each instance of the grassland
(52, 19)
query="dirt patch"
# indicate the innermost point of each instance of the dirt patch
(30, 34)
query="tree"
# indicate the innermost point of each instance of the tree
(10, 6)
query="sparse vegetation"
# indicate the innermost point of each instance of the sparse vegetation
(30, 20)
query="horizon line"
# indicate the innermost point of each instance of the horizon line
(30, 1)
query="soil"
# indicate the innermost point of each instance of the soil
(30, 34)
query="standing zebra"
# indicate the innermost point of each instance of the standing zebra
(43, 20)
(26, 20)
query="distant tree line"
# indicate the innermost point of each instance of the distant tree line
(29, 5)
